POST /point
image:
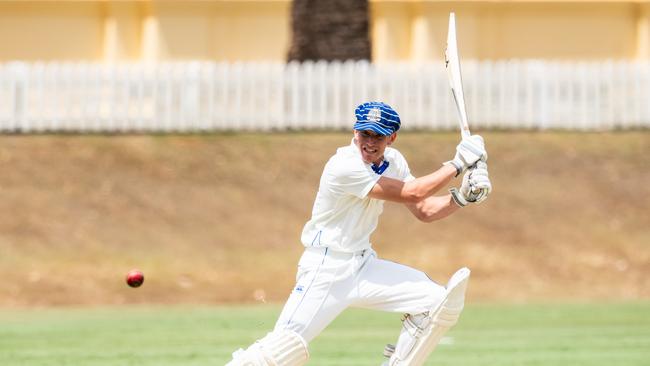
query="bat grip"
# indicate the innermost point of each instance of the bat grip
(464, 132)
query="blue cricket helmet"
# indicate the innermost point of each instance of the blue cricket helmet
(378, 117)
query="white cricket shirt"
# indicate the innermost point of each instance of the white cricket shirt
(343, 216)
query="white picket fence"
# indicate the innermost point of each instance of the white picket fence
(204, 96)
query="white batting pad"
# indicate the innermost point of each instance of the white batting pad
(278, 348)
(421, 333)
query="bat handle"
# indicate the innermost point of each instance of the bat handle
(464, 132)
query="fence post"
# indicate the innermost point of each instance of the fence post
(18, 89)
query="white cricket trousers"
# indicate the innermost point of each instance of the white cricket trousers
(327, 282)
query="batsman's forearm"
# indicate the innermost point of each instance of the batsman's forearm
(436, 208)
(426, 186)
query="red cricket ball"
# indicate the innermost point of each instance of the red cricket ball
(134, 278)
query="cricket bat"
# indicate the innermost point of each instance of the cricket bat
(452, 63)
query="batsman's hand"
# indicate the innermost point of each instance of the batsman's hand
(476, 186)
(468, 152)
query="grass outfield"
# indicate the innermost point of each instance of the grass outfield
(495, 335)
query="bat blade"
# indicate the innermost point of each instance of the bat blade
(452, 63)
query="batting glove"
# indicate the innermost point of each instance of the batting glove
(475, 188)
(468, 152)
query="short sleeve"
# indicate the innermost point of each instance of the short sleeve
(403, 171)
(351, 177)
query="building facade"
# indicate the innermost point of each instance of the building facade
(259, 30)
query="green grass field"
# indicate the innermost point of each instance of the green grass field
(495, 335)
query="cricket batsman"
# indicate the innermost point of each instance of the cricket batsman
(339, 268)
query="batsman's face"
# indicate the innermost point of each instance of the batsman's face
(372, 145)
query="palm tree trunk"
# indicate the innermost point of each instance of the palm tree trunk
(329, 30)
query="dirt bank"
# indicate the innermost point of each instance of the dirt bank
(217, 218)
